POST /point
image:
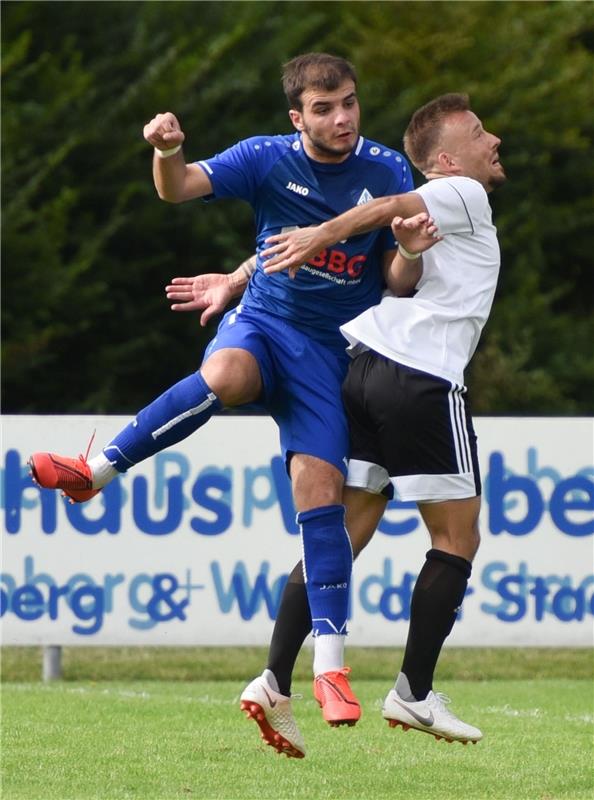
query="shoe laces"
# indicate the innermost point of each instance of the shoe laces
(85, 458)
(441, 700)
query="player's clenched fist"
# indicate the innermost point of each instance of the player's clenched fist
(164, 131)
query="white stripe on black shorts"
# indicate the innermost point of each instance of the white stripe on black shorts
(409, 430)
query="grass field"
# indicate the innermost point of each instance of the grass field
(154, 724)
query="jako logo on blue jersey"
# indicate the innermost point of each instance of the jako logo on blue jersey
(295, 187)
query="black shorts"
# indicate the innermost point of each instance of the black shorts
(410, 430)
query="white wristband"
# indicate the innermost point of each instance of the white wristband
(167, 153)
(405, 254)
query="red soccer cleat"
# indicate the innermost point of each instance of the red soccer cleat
(72, 475)
(336, 699)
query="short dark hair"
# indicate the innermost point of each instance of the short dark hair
(422, 135)
(314, 71)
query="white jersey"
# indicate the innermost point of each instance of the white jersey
(438, 329)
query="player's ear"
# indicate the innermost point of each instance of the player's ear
(445, 160)
(296, 119)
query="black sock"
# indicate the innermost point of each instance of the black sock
(436, 598)
(292, 626)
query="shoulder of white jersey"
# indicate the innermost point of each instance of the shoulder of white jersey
(464, 180)
(467, 188)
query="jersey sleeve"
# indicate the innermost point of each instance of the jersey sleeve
(456, 204)
(406, 178)
(235, 171)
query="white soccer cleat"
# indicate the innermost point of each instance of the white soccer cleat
(429, 715)
(273, 713)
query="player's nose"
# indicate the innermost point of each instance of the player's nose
(342, 117)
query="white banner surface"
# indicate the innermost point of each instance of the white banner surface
(193, 546)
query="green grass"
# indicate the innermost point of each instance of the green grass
(175, 730)
(228, 663)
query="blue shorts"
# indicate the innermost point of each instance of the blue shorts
(302, 382)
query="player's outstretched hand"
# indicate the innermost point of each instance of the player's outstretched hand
(207, 293)
(164, 131)
(417, 233)
(290, 250)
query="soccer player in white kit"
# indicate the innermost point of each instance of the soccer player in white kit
(410, 424)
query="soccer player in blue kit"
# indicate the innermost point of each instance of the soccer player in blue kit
(281, 347)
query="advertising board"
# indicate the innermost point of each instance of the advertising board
(193, 547)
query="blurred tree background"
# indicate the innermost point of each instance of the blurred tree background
(87, 247)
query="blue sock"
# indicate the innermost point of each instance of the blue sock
(173, 416)
(327, 565)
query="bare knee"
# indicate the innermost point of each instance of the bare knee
(458, 542)
(315, 482)
(363, 514)
(233, 375)
(453, 526)
(468, 543)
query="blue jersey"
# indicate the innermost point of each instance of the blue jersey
(287, 189)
